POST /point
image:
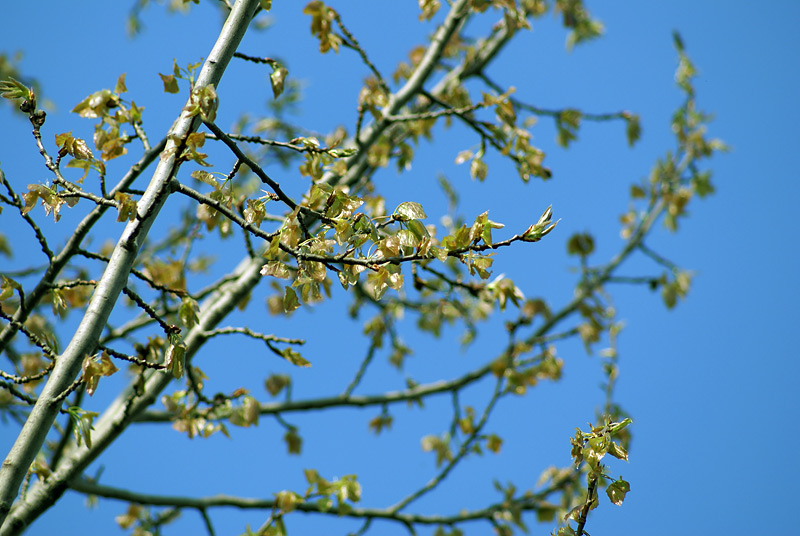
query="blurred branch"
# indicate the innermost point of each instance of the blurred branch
(530, 502)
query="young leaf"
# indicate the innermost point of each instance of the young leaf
(409, 210)
(294, 358)
(278, 79)
(617, 491)
(290, 301)
(170, 83)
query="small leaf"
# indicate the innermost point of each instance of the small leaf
(617, 491)
(633, 128)
(409, 210)
(14, 89)
(290, 301)
(637, 192)
(287, 501)
(187, 312)
(276, 269)
(84, 424)
(276, 383)
(121, 87)
(294, 442)
(618, 451)
(494, 443)
(175, 357)
(581, 244)
(94, 370)
(377, 424)
(429, 9)
(343, 153)
(294, 358)
(619, 426)
(478, 169)
(126, 207)
(7, 288)
(463, 156)
(278, 79)
(250, 411)
(170, 83)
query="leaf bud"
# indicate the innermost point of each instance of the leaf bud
(38, 118)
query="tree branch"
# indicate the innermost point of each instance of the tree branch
(73, 243)
(105, 296)
(531, 502)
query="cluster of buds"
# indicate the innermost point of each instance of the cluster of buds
(535, 232)
(14, 89)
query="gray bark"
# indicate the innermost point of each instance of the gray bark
(83, 343)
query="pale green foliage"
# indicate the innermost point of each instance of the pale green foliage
(333, 224)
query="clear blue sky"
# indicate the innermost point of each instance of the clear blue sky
(711, 384)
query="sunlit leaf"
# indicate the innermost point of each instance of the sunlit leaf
(294, 358)
(409, 210)
(617, 491)
(170, 83)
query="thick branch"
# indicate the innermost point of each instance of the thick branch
(105, 296)
(60, 260)
(121, 412)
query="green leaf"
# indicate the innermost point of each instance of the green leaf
(617, 491)
(276, 383)
(418, 229)
(250, 411)
(619, 426)
(170, 83)
(494, 443)
(377, 424)
(343, 153)
(463, 156)
(294, 358)
(294, 442)
(51, 201)
(14, 89)
(84, 424)
(321, 25)
(121, 87)
(633, 128)
(478, 169)
(408, 211)
(429, 9)
(206, 177)
(276, 269)
(278, 79)
(290, 301)
(255, 212)
(126, 207)
(97, 104)
(75, 147)
(93, 370)
(618, 451)
(287, 501)
(175, 358)
(580, 244)
(7, 288)
(187, 312)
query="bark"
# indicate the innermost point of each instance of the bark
(83, 343)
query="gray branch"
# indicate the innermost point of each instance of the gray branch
(128, 405)
(104, 298)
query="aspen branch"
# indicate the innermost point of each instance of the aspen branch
(531, 502)
(105, 296)
(73, 243)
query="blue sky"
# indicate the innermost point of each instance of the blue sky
(710, 384)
